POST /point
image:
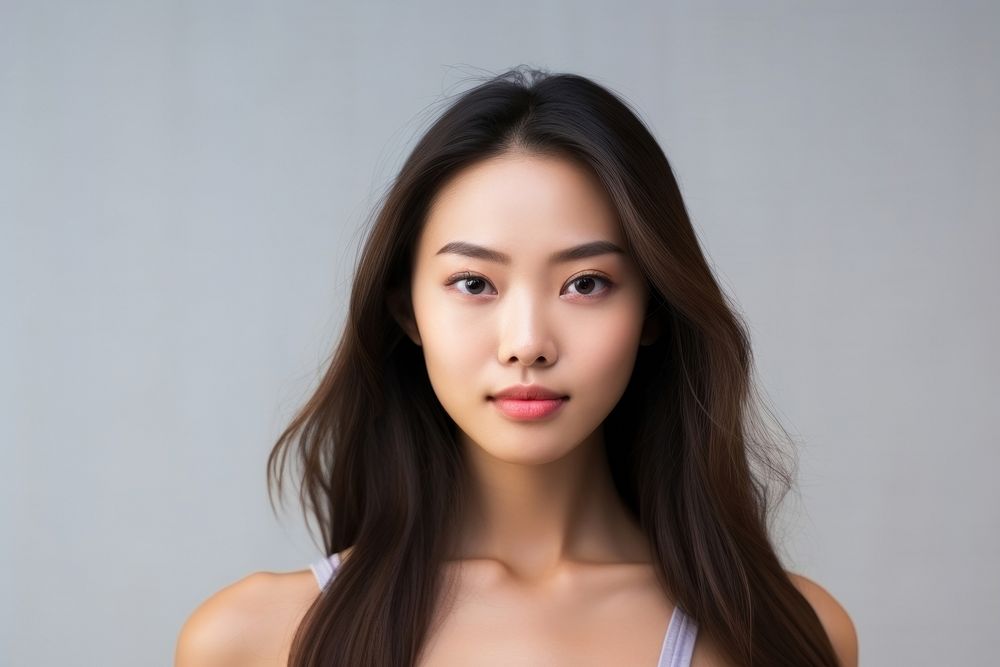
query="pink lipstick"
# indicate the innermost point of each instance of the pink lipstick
(528, 409)
(528, 401)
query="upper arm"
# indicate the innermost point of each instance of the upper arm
(834, 618)
(220, 632)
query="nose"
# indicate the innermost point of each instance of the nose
(525, 337)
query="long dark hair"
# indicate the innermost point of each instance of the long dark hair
(688, 449)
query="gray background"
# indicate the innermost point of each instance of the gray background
(183, 187)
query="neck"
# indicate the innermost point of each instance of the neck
(538, 519)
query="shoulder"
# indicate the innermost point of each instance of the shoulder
(835, 619)
(250, 621)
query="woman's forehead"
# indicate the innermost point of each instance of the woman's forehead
(539, 203)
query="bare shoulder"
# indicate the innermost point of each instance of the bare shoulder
(832, 615)
(835, 619)
(249, 622)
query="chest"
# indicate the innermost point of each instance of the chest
(615, 624)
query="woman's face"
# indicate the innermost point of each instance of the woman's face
(517, 315)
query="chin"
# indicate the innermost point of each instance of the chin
(521, 447)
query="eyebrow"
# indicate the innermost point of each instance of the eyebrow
(582, 251)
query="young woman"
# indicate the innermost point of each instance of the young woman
(537, 442)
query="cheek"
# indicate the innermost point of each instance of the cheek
(454, 347)
(453, 356)
(604, 355)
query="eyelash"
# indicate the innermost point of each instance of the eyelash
(468, 275)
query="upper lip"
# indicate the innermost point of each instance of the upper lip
(527, 392)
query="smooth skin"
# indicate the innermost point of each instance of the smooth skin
(551, 568)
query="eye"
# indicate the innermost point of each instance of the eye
(586, 282)
(470, 281)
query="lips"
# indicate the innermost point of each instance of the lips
(528, 401)
(535, 408)
(528, 392)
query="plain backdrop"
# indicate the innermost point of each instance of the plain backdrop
(184, 187)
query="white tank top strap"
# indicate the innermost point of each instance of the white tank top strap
(678, 644)
(325, 569)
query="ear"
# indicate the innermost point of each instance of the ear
(402, 311)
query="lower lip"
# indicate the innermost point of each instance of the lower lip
(528, 410)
